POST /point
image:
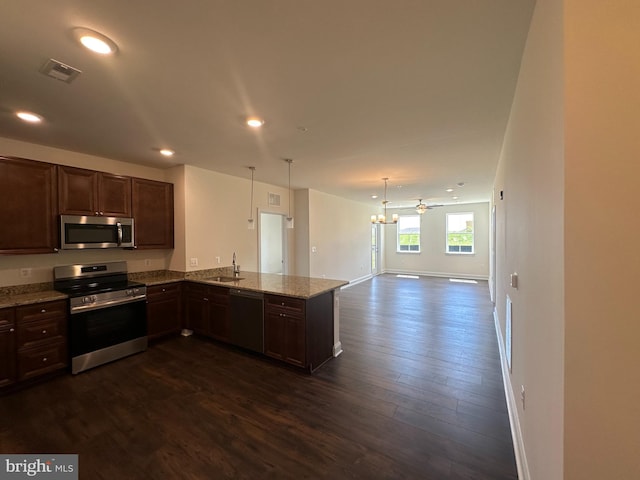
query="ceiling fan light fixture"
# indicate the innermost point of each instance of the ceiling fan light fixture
(95, 41)
(167, 152)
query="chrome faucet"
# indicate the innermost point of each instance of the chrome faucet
(236, 268)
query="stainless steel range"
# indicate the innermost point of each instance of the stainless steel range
(107, 313)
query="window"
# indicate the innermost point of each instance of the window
(409, 233)
(459, 232)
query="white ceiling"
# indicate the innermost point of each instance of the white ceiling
(352, 90)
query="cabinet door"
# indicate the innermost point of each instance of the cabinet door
(114, 195)
(196, 308)
(294, 340)
(28, 207)
(152, 213)
(163, 310)
(7, 347)
(78, 191)
(219, 314)
(274, 328)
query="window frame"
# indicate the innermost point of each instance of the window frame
(419, 245)
(473, 234)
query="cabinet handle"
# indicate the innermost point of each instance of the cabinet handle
(163, 290)
(44, 310)
(44, 359)
(12, 329)
(97, 213)
(205, 299)
(44, 332)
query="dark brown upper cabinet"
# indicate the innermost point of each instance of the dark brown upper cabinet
(87, 192)
(28, 207)
(152, 213)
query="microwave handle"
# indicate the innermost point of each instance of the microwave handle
(119, 226)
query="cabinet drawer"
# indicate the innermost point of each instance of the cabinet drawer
(218, 295)
(31, 334)
(7, 317)
(41, 311)
(163, 290)
(196, 290)
(289, 305)
(33, 362)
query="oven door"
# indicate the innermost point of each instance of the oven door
(100, 328)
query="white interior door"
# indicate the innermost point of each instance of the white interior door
(272, 243)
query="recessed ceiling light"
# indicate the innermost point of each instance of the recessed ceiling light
(167, 152)
(460, 184)
(449, 190)
(29, 117)
(374, 196)
(255, 122)
(455, 198)
(94, 41)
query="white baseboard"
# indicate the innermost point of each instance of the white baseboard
(358, 280)
(438, 274)
(516, 432)
(337, 349)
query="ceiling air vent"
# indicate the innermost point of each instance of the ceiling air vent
(60, 71)
(274, 199)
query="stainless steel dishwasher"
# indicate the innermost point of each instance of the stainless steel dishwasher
(247, 319)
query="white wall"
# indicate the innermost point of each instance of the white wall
(215, 214)
(433, 259)
(530, 242)
(340, 232)
(602, 170)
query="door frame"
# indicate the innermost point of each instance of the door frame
(285, 244)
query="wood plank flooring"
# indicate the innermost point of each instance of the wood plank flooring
(417, 394)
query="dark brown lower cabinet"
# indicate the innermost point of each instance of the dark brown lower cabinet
(206, 309)
(41, 338)
(164, 310)
(7, 347)
(299, 331)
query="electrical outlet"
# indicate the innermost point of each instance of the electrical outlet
(25, 272)
(522, 396)
(194, 262)
(147, 262)
(218, 260)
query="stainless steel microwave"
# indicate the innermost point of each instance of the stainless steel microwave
(80, 232)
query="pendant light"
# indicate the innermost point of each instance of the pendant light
(289, 217)
(382, 219)
(251, 225)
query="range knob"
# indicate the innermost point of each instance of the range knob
(89, 299)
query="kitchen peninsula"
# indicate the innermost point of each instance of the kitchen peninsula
(289, 318)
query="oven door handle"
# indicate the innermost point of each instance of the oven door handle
(119, 226)
(109, 303)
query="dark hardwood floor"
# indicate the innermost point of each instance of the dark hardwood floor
(417, 394)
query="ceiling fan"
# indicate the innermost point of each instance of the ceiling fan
(421, 207)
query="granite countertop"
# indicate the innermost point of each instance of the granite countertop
(288, 285)
(157, 277)
(16, 298)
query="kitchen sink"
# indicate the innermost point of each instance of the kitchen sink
(225, 279)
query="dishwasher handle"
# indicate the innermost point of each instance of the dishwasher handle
(237, 292)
